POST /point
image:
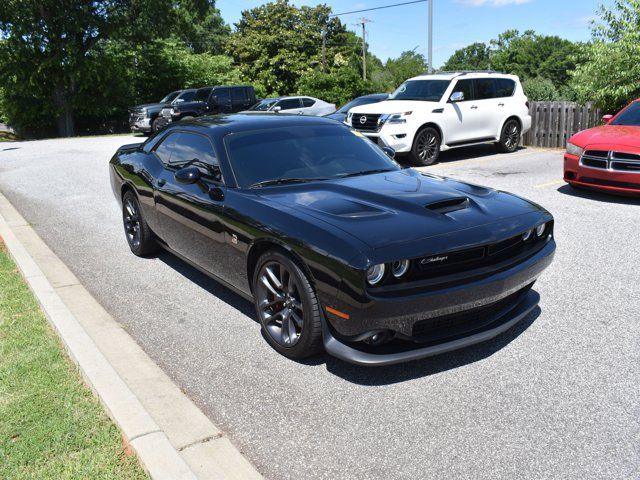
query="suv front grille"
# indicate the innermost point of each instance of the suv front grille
(365, 122)
(611, 160)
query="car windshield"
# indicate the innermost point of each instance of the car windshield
(202, 95)
(629, 116)
(263, 105)
(426, 90)
(357, 102)
(303, 153)
(170, 97)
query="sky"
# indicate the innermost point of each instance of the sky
(457, 23)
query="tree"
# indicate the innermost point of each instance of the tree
(476, 56)
(199, 25)
(610, 71)
(338, 86)
(276, 43)
(408, 64)
(540, 90)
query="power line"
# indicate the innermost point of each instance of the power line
(378, 8)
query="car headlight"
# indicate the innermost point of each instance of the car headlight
(399, 268)
(375, 274)
(348, 119)
(574, 149)
(527, 235)
(540, 229)
(395, 118)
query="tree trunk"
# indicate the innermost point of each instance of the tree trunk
(65, 119)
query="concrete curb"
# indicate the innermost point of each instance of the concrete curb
(173, 439)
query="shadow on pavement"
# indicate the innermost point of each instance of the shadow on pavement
(598, 196)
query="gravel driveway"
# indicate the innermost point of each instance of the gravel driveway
(558, 396)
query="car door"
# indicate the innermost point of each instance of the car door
(462, 119)
(506, 102)
(485, 99)
(289, 105)
(239, 99)
(221, 100)
(309, 106)
(190, 216)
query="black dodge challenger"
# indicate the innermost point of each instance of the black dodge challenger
(337, 246)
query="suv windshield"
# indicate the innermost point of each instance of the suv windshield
(358, 102)
(264, 105)
(169, 98)
(629, 116)
(302, 153)
(426, 90)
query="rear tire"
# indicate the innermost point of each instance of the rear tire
(138, 234)
(287, 306)
(426, 147)
(510, 136)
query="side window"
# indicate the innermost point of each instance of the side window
(308, 102)
(193, 149)
(289, 103)
(485, 88)
(164, 150)
(187, 96)
(237, 95)
(506, 87)
(466, 87)
(222, 95)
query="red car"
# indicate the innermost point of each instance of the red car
(607, 158)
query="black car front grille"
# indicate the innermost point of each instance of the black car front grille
(437, 328)
(365, 122)
(611, 160)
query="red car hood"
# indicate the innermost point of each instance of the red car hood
(608, 135)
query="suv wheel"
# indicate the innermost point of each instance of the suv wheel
(510, 137)
(138, 234)
(155, 126)
(287, 306)
(426, 147)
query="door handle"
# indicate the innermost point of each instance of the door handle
(501, 104)
(161, 182)
(474, 107)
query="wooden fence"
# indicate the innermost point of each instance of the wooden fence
(553, 123)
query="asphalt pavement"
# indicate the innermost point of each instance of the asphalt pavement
(557, 396)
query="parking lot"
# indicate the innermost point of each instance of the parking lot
(555, 397)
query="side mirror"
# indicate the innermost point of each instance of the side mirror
(389, 151)
(607, 118)
(188, 175)
(277, 109)
(457, 97)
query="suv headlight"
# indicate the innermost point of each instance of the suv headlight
(348, 119)
(574, 149)
(375, 274)
(395, 118)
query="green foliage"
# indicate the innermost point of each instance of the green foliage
(476, 56)
(397, 70)
(540, 89)
(610, 71)
(339, 86)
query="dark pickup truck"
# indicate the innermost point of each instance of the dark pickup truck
(144, 118)
(209, 101)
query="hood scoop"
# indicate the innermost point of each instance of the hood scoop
(449, 205)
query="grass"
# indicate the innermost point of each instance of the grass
(51, 425)
(8, 136)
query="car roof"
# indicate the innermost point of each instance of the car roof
(465, 74)
(220, 125)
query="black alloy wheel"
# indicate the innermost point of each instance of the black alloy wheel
(510, 138)
(426, 147)
(138, 234)
(287, 306)
(155, 126)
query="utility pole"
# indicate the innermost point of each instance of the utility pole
(324, 50)
(430, 53)
(363, 21)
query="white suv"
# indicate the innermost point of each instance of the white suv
(432, 113)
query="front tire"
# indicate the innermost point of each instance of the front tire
(155, 126)
(139, 235)
(426, 147)
(510, 136)
(287, 306)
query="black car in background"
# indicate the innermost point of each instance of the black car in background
(341, 113)
(337, 246)
(144, 118)
(211, 101)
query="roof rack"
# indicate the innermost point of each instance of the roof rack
(461, 72)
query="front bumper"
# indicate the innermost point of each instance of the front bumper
(620, 183)
(140, 125)
(399, 137)
(497, 326)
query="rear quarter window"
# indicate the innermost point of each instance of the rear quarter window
(505, 87)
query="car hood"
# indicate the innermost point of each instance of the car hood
(611, 135)
(398, 207)
(148, 106)
(336, 116)
(392, 106)
(188, 105)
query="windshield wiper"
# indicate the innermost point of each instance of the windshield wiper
(366, 172)
(283, 181)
